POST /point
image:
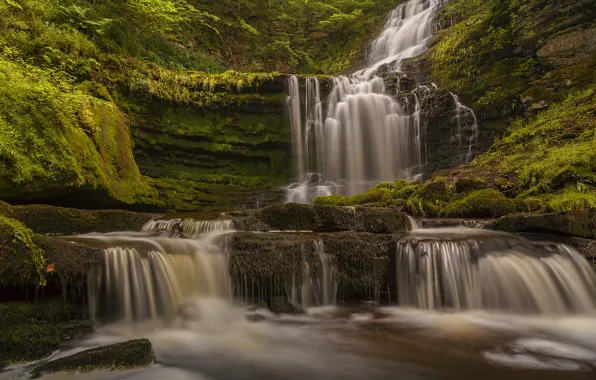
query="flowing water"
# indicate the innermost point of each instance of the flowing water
(365, 135)
(471, 303)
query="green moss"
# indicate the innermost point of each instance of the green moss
(487, 203)
(570, 198)
(32, 330)
(334, 200)
(21, 261)
(120, 356)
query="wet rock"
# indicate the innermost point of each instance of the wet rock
(281, 305)
(380, 220)
(568, 48)
(120, 356)
(33, 330)
(67, 258)
(323, 218)
(580, 223)
(50, 220)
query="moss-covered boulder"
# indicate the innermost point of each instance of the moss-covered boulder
(380, 220)
(120, 356)
(487, 203)
(290, 217)
(464, 185)
(21, 260)
(326, 218)
(69, 260)
(50, 220)
(33, 330)
(581, 223)
(333, 219)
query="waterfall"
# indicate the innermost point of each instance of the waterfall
(366, 137)
(318, 289)
(472, 269)
(461, 112)
(189, 226)
(151, 278)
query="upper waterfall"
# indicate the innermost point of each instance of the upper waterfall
(367, 136)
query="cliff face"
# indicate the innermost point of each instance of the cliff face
(527, 72)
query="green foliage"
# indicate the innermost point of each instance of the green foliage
(383, 194)
(550, 151)
(487, 203)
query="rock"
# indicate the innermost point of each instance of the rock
(568, 48)
(580, 223)
(324, 218)
(120, 356)
(33, 330)
(260, 261)
(50, 220)
(464, 185)
(586, 247)
(68, 259)
(487, 203)
(381, 220)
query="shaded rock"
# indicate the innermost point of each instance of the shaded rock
(120, 356)
(333, 219)
(290, 217)
(281, 305)
(262, 264)
(33, 330)
(68, 259)
(581, 223)
(381, 220)
(322, 218)
(586, 247)
(568, 48)
(50, 220)
(445, 223)
(463, 185)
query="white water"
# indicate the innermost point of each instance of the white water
(472, 269)
(366, 136)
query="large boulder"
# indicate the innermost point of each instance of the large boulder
(120, 356)
(581, 223)
(568, 48)
(269, 265)
(50, 220)
(325, 218)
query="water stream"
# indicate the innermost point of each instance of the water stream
(364, 135)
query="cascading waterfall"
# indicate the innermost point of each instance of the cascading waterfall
(149, 278)
(319, 290)
(472, 269)
(462, 113)
(189, 226)
(367, 135)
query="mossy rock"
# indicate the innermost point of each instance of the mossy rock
(419, 207)
(27, 342)
(21, 261)
(69, 259)
(487, 203)
(529, 205)
(581, 223)
(380, 220)
(333, 200)
(281, 305)
(464, 185)
(50, 220)
(33, 330)
(333, 219)
(290, 217)
(120, 356)
(433, 191)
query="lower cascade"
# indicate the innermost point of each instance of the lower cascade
(472, 269)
